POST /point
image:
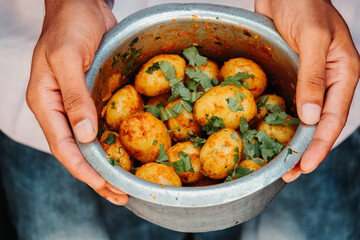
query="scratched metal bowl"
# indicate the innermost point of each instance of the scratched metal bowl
(221, 33)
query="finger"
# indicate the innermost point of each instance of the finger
(68, 67)
(110, 19)
(263, 7)
(114, 189)
(311, 76)
(45, 101)
(332, 121)
(293, 174)
(117, 199)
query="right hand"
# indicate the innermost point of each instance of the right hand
(57, 93)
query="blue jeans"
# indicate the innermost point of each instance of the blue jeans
(46, 202)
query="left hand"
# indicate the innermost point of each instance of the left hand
(328, 73)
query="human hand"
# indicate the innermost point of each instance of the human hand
(57, 93)
(328, 73)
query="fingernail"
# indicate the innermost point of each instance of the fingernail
(113, 201)
(311, 113)
(117, 191)
(84, 131)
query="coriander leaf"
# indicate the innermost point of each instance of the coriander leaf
(170, 130)
(163, 115)
(113, 161)
(155, 142)
(198, 141)
(233, 104)
(191, 132)
(175, 111)
(163, 157)
(179, 90)
(278, 117)
(168, 70)
(258, 161)
(198, 76)
(192, 85)
(184, 164)
(240, 96)
(274, 108)
(153, 68)
(110, 139)
(113, 105)
(215, 82)
(240, 171)
(188, 106)
(262, 102)
(236, 155)
(237, 79)
(154, 110)
(251, 149)
(213, 152)
(244, 126)
(234, 136)
(213, 125)
(289, 152)
(193, 56)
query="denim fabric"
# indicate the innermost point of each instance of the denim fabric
(46, 202)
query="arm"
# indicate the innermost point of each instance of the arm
(328, 73)
(57, 93)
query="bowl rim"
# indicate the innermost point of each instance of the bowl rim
(191, 197)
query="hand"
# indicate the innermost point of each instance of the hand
(57, 93)
(328, 72)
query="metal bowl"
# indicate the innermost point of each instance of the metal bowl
(221, 33)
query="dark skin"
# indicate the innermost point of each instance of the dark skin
(57, 93)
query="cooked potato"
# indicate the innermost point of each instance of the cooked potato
(256, 84)
(184, 122)
(142, 134)
(211, 69)
(155, 83)
(158, 173)
(272, 100)
(251, 164)
(215, 103)
(194, 154)
(159, 99)
(122, 104)
(217, 154)
(111, 144)
(281, 133)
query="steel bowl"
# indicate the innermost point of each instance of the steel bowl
(221, 33)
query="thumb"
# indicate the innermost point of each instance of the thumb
(68, 68)
(313, 48)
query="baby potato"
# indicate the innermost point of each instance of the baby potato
(159, 99)
(142, 134)
(217, 154)
(272, 100)
(256, 84)
(216, 102)
(122, 104)
(111, 144)
(184, 122)
(281, 133)
(159, 173)
(155, 83)
(251, 164)
(194, 153)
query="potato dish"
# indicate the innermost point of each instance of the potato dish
(201, 123)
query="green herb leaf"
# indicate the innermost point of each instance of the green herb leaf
(112, 105)
(213, 152)
(213, 125)
(163, 157)
(113, 162)
(234, 136)
(244, 126)
(237, 79)
(258, 161)
(153, 68)
(289, 152)
(184, 164)
(278, 116)
(240, 171)
(168, 70)
(191, 132)
(198, 76)
(175, 111)
(187, 105)
(110, 139)
(240, 96)
(194, 57)
(173, 129)
(198, 141)
(236, 155)
(262, 102)
(155, 142)
(153, 109)
(233, 104)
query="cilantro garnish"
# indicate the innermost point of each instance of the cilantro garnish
(179, 90)
(175, 111)
(184, 164)
(237, 80)
(153, 109)
(289, 152)
(262, 102)
(278, 116)
(113, 161)
(199, 77)
(269, 147)
(234, 136)
(214, 152)
(240, 96)
(112, 105)
(173, 129)
(258, 161)
(168, 70)
(191, 132)
(213, 125)
(155, 142)
(198, 141)
(188, 106)
(153, 68)
(233, 104)
(110, 139)
(163, 157)
(238, 172)
(236, 155)
(194, 57)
